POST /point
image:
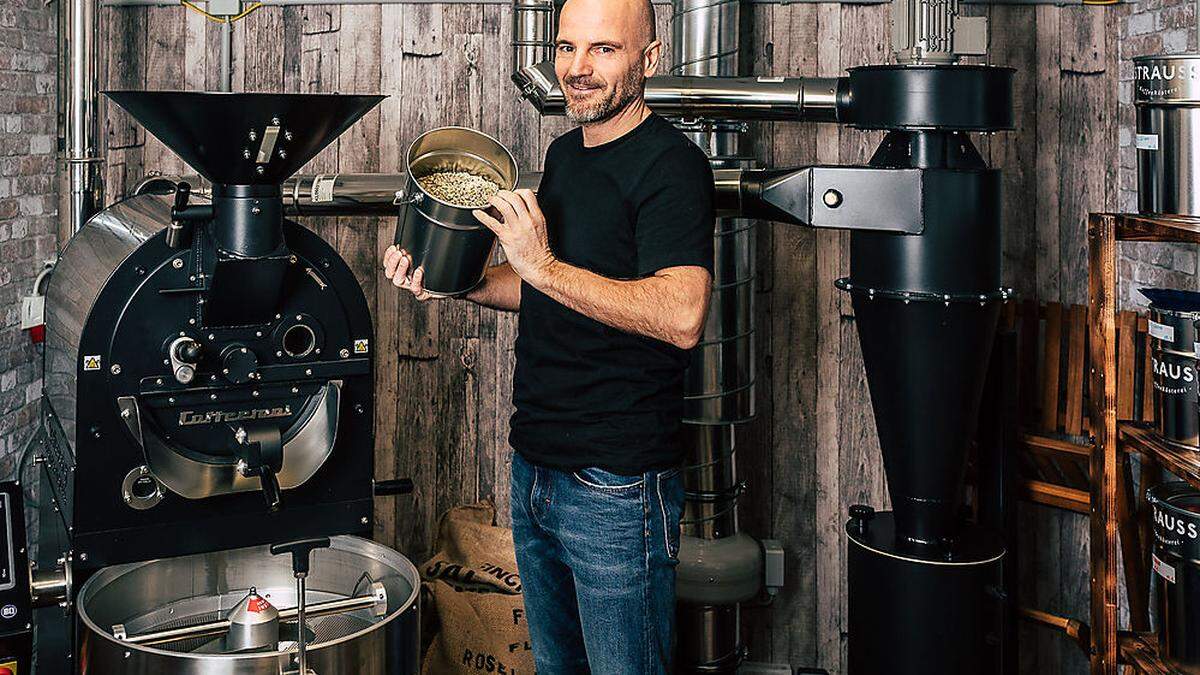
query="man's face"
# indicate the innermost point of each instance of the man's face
(602, 57)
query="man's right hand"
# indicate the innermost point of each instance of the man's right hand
(396, 266)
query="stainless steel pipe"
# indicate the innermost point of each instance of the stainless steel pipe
(51, 587)
(815, 99)
(745, 98)
(532, 34)
(82, 150)
(719, 382)
(226, 72)
(703, 84)
(375, 194)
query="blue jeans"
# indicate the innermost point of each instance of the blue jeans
(597, 553)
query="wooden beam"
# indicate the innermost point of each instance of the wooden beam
(1102, 320)
(1058, 496)
(1075, 629)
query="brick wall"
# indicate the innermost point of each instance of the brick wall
(28, 202)
(1150, 27)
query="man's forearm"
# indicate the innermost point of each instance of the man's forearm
(500, 289)
(669, 306)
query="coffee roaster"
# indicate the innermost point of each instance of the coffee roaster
(209, 391)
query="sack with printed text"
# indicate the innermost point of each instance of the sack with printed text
(472, 593)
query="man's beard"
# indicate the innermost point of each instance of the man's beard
(629, 88)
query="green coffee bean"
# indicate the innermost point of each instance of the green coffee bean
(460, 188)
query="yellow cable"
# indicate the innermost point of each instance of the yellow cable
(255, 6)
(202, 12)
(220, 19)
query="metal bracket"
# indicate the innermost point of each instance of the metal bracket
(838, 197)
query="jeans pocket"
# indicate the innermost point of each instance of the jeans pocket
(608, 482)
(671, 509)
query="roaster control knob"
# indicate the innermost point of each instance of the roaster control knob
(860, 515)
(184, 354)
(239, 364)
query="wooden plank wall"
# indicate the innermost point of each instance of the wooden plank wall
(445, 368)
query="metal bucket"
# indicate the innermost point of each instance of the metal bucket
(1167, 97)
(144, 598)
(1173, 317)
(1176, 560)
(447, 240)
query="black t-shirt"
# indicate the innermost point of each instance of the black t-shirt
(586, 394)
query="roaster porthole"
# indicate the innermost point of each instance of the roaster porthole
(299, 341)
(140, 489)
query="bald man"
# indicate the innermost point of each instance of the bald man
(610, 268)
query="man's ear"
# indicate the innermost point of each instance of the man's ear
(651, 58)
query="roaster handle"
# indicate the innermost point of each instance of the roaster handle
(300, 550)
(270, 489)
(260, 452)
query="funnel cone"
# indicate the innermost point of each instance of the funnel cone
(244, 139)
(926, 363)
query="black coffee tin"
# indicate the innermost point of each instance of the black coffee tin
(1175, 510)
(1173, 316)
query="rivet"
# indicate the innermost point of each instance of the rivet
(177, 263)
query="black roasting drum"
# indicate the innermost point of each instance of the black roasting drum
(1173, 315)
(1175, 508)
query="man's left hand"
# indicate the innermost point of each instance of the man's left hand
(521, 230)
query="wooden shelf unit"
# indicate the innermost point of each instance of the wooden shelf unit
(1111, 648)
(1140, 651)
(1180, 461)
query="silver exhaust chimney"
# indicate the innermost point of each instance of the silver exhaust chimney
(719, 566)
(83, 154)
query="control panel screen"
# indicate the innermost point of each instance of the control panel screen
(6, 543)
